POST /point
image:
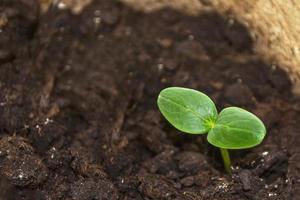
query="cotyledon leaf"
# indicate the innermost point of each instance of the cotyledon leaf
(236, 128)
(187, 110)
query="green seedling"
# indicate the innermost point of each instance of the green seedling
(193, 112)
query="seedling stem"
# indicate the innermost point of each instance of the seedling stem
(226, 160)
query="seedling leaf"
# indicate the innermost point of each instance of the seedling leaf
(187, 110)
(236, 128)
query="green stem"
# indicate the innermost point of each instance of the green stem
(226, 160)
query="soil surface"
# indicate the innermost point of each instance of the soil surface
(78, 113)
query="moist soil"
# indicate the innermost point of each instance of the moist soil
(78, 113)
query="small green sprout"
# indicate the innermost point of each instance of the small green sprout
(193, 112)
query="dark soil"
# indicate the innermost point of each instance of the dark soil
(78, 114)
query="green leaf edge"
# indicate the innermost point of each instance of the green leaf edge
(245, 147)
(209, 123)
